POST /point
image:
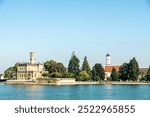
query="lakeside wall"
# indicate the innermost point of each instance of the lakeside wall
(56, 81)
(44, 81)
(70, 81)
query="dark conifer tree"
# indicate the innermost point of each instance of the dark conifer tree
(133, 70)
(114, 75)
(74, 66)
(85, 66)
(124, 72)
(98, 72)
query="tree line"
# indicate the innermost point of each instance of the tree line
(127, 72)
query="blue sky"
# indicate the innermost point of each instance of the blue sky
(92, 28)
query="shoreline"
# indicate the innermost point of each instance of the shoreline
(77, 83)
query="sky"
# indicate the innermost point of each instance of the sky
(55, 28)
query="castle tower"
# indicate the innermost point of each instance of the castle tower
(32, 57)
(108, 60)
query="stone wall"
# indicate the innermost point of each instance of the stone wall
(57, 81)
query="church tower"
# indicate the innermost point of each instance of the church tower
(108, 60)
(32, 57)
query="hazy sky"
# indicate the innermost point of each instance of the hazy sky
(92, 28)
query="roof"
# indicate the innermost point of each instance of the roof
(108, 54)
(109, 68)
(143, 71)
(27, 64)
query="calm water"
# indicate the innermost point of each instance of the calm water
(78, 92)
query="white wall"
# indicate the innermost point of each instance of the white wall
(2, 77)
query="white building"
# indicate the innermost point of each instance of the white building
(109, 67)
(31, 70)
(1, 76)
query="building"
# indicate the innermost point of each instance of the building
(1, 77)
(108, 68)
(143, 72)
(31, 70)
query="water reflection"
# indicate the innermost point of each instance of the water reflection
(77, 92)
(31, 92)
(108, 89)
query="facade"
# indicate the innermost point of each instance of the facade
(108, 68)
(1, 76)
(31, 70)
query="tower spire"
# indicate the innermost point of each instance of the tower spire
(32, 57)
(108, 59)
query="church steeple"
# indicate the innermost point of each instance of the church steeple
(108, 60)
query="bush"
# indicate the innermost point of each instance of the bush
(96, 78)
(109, 79)
(84, 76)
(78, 78)
(56, 75)
(69, 75)
(143, 78)
(45, 74)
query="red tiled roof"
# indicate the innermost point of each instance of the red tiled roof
(109, 68)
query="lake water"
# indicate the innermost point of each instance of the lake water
(77, 92)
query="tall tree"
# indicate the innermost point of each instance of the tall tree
(74, 66)
(98, 72)
(85, 66)
(52, 66)
(133, 70)
(114, 75)
(148, 75)
(124, 72)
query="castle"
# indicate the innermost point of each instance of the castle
(31, 70)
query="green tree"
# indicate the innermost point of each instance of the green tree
(69, 75)
(84, 76)
(52, 66)
(148, 75)
(98, 72)
(85, 66)
(114, 75)
(133, 70)
(55, 75)
(124, 72)
(45, 74)
(73, 66)
(10, 73)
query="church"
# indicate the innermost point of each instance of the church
(108, 67)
